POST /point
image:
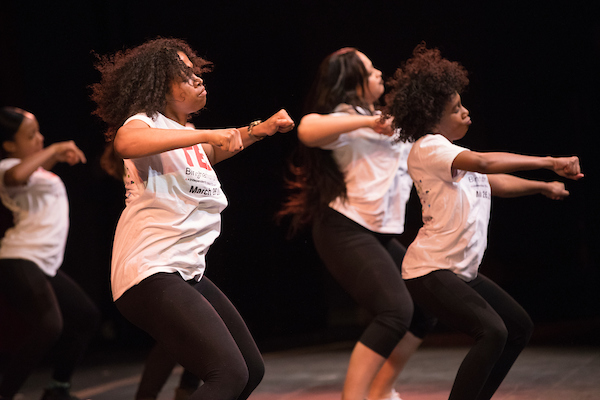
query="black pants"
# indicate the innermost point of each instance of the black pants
(157, 369)
(57, 309)
(481, 309)
(201, 330)
(368, 266)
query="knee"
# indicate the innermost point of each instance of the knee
(397, 318)
(520, 335)
(231, 380)
(237, 375)
(495, 336)
(256, 374)
(49, 328)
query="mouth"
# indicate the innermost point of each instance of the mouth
(202, 91)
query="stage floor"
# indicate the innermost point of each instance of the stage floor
(317, 373)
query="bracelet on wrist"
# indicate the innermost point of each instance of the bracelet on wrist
(251, 127)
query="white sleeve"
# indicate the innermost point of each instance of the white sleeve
(142, 117)
(438, 154)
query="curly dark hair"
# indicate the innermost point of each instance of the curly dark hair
(421, 89)
(139, 79)
(315, 179)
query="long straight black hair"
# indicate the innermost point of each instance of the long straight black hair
(315, 178)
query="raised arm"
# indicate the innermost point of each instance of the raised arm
(497, 163)
(319, 130)
(504, 185)
(57, 152)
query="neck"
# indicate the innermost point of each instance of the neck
(181, 119)
(436, 131)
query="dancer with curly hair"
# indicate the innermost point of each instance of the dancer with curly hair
(54, 308)
(172, 214)
(351, 185)
(455, 186)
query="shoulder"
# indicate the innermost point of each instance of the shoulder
(435, 154)
(151, 122)
(437, 144)
(7, 163)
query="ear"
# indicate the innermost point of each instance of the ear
(9, 146)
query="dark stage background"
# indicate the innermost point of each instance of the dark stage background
(534, 90)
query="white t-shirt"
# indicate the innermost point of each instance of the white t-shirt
(377, 182)
(41, 215)
(172, 215)
(456, 210)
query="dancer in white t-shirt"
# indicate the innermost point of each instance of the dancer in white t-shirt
(351, 184)
(455, 186)
(31, 253)
(172, 214)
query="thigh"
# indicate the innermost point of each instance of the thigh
(397, 251)
(360, 263)
(516, 319)
(232, 319)
(182, 321)
(27, 290)
(75, 305)
(450, 299)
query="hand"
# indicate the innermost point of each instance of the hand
(226, 139)
(555, 191)
(568, 167)
(68, 152)
(279, 122)
(382, 124)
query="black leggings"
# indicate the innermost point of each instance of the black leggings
(201, 330)
(367, 265)
(56, 309)
(157, 369)
(481, 309)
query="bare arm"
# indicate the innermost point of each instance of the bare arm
(279, 122)
(504, 185)
(137, 139)
(319, 130)
(497, 163)
(57, 152)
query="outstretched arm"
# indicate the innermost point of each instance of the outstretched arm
(137, 139)
(57, 152)
(319, 130)
(504, 185)
(497, 163)
(279, 122)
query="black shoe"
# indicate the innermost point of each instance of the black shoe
(58, 394)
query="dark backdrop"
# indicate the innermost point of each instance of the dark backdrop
(534, 73)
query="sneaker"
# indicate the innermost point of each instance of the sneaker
(58, 394)
(395, 395)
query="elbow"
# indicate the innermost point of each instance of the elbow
(304, 136)
(121, 149)
(12, 178)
